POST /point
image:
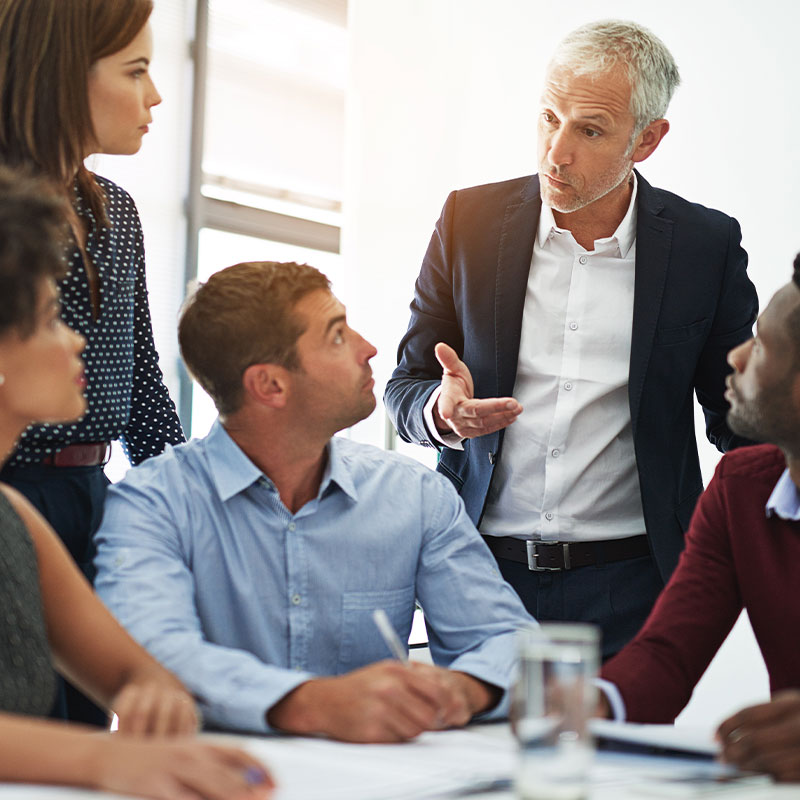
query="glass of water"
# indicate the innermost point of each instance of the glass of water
(551, 703)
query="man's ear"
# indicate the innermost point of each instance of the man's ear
(647, 141)
(266, 384)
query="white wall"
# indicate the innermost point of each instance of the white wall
(443, 94)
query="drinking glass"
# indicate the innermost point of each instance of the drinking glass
(551, 703)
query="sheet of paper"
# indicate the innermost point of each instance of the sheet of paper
(433, 766)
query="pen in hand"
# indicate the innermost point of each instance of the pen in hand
(390, 635)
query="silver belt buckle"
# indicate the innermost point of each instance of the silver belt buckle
(533, 556)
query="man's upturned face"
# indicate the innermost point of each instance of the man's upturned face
(333, 388)
(585, 128)
(761, 389)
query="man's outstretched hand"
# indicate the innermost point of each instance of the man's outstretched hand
(457, 411)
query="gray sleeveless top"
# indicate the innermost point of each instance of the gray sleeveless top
(27, 680)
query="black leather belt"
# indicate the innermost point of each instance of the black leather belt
(554, 556)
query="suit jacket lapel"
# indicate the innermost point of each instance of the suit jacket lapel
(517, 237)
(653, 246)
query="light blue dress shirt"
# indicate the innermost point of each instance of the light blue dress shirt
(203, 564)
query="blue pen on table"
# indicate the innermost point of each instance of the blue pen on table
(389, 635)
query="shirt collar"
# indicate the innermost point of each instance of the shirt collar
(784, 501)
(624, 235)
(233, 472)
(338, 470)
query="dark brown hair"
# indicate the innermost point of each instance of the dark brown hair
(46, 50)
(32, 230)
(243, 316)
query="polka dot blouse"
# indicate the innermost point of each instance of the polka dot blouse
(126, 395)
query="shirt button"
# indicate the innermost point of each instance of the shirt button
(548, 516)
(568, 386)
(291, 526)
(583, 259)
(573, 326)
(296, 599)
(556, 453)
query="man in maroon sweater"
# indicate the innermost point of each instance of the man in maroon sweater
(742, 551)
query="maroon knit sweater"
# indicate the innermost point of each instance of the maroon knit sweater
(735, 557)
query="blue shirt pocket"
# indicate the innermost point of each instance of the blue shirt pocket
(361, 643)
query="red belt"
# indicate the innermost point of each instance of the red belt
(85, 454)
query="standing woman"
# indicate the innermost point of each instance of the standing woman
(74, 81)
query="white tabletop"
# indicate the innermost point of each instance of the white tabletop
(445, 765)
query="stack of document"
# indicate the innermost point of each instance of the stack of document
(435, 765)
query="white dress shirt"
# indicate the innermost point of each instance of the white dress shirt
(568, 469)
(784, 501)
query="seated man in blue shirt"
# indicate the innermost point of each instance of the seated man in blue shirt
(250, 562)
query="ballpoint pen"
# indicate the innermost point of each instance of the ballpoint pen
(390, 635)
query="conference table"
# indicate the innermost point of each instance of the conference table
(478, 762)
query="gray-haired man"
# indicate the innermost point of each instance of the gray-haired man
(598, 304)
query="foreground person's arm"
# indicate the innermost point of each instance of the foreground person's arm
(94, 652)
(38, 751)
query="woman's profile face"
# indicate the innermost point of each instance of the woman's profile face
(43, 375)
(121, 94)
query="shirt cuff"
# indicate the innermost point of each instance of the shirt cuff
(614, 698)
(451, 440)
(247, 708)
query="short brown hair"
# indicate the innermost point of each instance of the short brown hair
(46, 50)
(32, 231)
(243, 316)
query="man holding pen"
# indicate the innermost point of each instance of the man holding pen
(251, 562)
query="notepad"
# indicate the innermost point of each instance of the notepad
(657, 739)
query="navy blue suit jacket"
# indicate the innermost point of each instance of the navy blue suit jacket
(693, 302)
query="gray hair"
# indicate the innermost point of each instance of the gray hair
(652, 71)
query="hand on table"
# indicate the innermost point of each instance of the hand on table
(458, 411)
(155, 709)
(177, 770)
(765, 737)
(383, 702)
